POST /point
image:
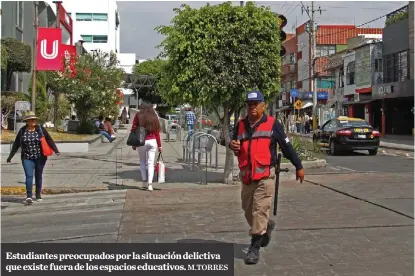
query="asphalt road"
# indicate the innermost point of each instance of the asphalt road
(363, 162)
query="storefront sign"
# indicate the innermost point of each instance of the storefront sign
(385, 90)
(48, 57)
(322, 95)
(308, 95)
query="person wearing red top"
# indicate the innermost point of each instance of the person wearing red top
(147, 119)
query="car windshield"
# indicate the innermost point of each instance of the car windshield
(354, 124)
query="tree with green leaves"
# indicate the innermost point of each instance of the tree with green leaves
(19, 58)
(91, 86)
(216, 54)
(153, 68)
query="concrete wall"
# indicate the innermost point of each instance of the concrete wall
(348, 89)
(395, 37)
(411, 39)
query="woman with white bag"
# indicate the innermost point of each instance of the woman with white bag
(148, 120)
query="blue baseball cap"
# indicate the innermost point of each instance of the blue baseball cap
(254, 96)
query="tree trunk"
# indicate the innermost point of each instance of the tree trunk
(55, 110)
(228, 173)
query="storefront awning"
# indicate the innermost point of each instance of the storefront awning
(362, 102)
(307, 105)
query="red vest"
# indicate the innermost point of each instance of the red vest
(255, 156)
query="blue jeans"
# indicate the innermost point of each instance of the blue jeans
(35, 166)
(190, 130)
(106, 134)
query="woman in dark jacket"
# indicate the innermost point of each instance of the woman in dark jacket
(33, 159)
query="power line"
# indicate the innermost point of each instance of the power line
(292, 10)
(290, 7)
(345, 30)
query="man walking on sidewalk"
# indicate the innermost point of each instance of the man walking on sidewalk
(255, 144)
(190, 121)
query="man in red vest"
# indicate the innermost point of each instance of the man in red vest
(255, 144)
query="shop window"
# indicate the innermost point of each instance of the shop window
(350, 73)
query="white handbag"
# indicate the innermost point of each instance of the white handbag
(161, 169)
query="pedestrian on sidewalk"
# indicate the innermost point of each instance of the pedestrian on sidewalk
(190, 121)
(147, 119)
(33, 160)
(255, 144)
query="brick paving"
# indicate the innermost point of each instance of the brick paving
(319, 231)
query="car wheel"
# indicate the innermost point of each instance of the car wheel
(373, 151)
(332, 146)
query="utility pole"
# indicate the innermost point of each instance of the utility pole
(313, 63)
(34, 54)
(56, 103)
(313, 56)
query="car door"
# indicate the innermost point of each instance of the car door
(324, 132)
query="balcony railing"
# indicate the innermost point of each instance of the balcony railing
(396, 16)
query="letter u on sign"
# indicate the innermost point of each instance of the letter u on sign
(48, 43)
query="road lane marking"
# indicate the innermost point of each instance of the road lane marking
(333, 168)
(347, 169)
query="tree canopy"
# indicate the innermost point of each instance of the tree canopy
(90, 84)
(217, 53)
(19, 57)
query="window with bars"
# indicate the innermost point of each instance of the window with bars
(378, 65)
(397, 68)
(325, 50)
(91, 17)
(341, 77)
(350, 73)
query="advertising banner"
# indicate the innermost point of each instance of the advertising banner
(49, 41)
(68, 58)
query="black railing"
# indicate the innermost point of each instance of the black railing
(397, 15)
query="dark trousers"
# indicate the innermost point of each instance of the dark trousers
(34, 167)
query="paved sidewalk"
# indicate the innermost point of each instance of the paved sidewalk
(99, 170)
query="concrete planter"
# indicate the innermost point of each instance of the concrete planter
(66, 146)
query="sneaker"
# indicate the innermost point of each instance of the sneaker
(252, 257)
(29, 200)
(39, 198)
(267, 236)
(150, 187)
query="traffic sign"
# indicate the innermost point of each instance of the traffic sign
(22, 106)
(298, 104)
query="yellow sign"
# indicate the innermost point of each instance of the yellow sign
(365, 130)
(298, 104)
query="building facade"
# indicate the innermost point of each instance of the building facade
(97, 24)
(17, 20)
(330, 39)
(393, 100)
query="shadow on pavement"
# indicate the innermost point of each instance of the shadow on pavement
(13, 199)
(238, 249)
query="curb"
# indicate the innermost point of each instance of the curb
(381, 145)
(319, 163)
(18, 190)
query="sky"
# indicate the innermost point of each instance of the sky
(138, 19)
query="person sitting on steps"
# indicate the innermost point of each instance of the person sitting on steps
(100, 129)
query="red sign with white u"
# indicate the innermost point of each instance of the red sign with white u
(49, 41)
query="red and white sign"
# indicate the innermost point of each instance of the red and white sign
(49, 41)
(68, 56)
(66, 21)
